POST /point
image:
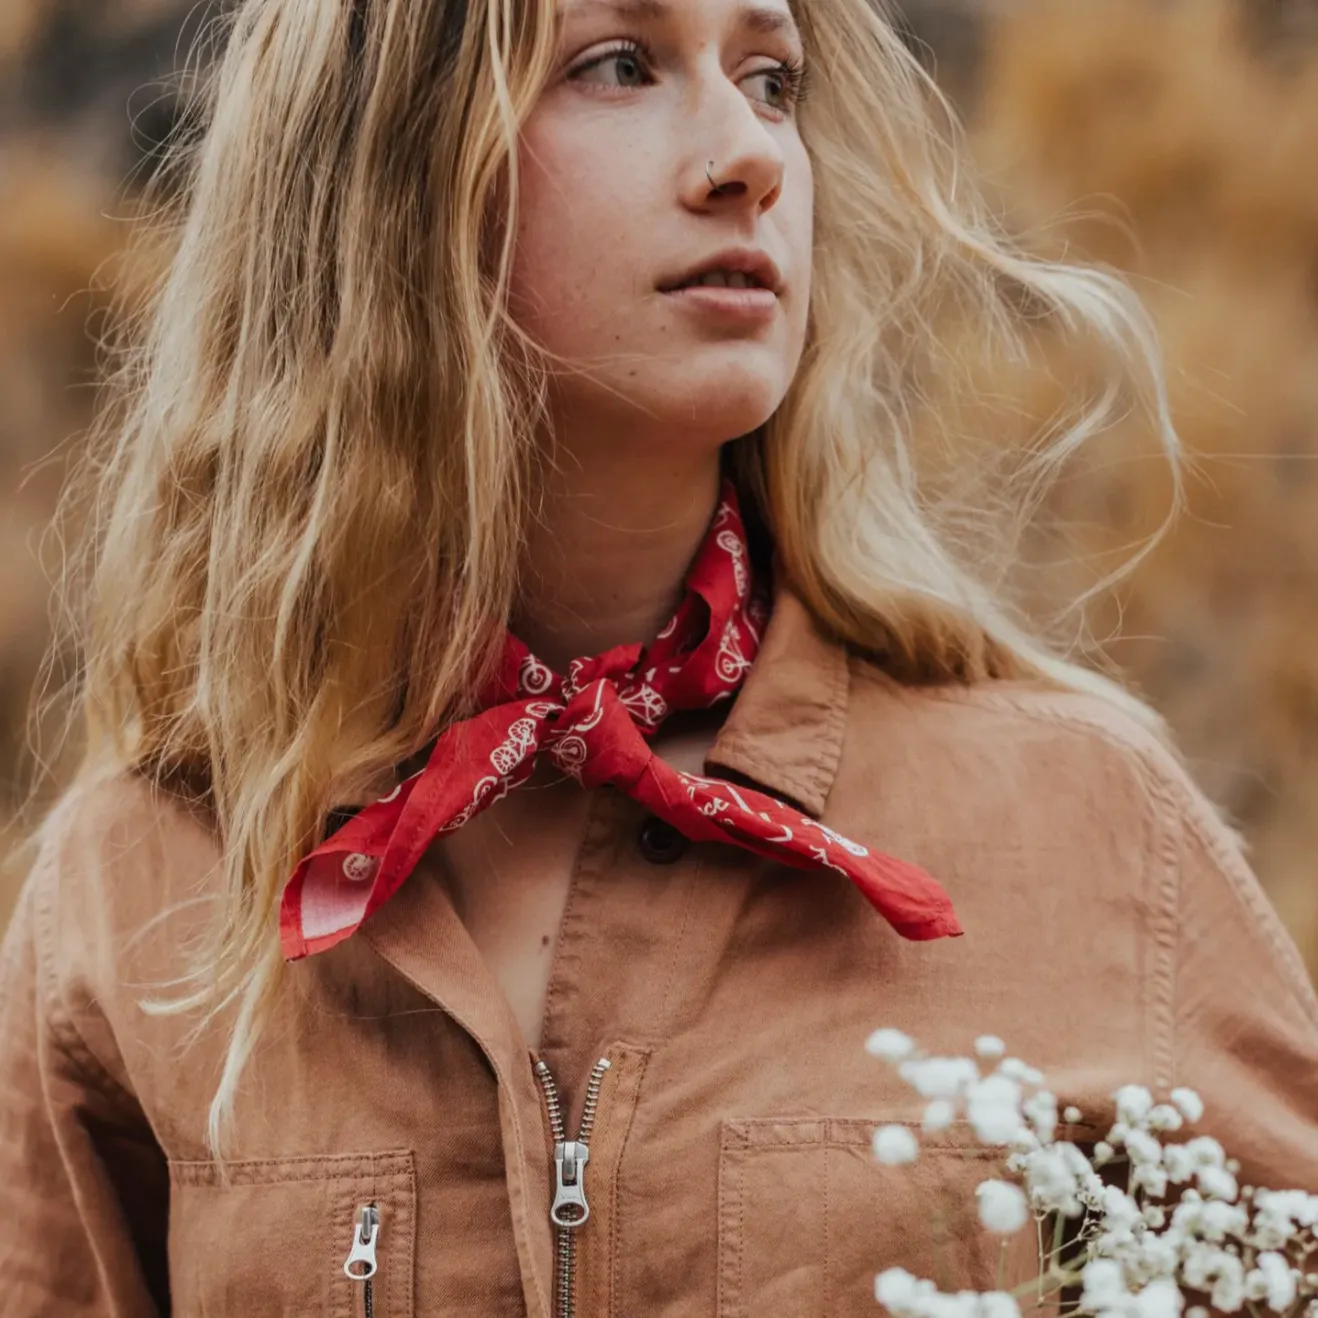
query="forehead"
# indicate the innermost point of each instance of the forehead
(765, 16)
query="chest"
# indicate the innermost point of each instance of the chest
(510, 872)
(509, 876)
(729, 1171)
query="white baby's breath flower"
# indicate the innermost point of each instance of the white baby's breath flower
(1051, 1182)
(1281, 1284)
(1150, 1178)
(993, 1106)
(1213, 1239)
(1041, 1109)
(1143, 1148)
(1189, 1103)
(897, 1290)
(1179, 1162)
(1165, 1117)
(1278, 1214)
(1014, 1069)
(1199, 1266)
(1206, 1152)
(939, 1077)
(1228, 1293)
(1159, 1299)
(889, 1045)
(895, 1146)
(1223, 1219)
(1211, 1268)
(1002, 1207)
(998, 1304)
(939, 1115)
(1134, 1103)
(1026, 1141)
(1211, 1221)
(1218, 1183)
(1104, 1285)
(1157, 1254)
(1119, 1208)
(1256, 1286)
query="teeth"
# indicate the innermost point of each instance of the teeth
(727, 279)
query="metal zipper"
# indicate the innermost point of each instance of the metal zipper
(569, 1209)
(361, 1265)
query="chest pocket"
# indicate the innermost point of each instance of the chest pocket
(808, 1217)
(274, 1238)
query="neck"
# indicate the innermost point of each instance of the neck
(605, 560)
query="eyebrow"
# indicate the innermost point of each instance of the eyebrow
(764, 20)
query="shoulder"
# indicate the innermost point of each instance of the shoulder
(119, 826)
(1059, 784)
(1018, 746)
(122, 873)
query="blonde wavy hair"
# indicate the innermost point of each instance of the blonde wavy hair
(310, 482)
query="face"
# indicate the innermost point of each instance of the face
(665, 217)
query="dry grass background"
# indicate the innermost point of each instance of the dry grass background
(1176, 139)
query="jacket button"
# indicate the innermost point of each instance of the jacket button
(660, 842)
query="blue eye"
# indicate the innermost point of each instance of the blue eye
(784, 85)
(625, 66)
(628, 65)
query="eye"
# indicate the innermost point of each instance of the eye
(624, 66)
(782, 86)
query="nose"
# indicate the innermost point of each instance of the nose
(740, 167)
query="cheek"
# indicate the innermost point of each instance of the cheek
(798, 217)
(568, 255)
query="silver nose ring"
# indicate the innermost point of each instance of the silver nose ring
(717, 187)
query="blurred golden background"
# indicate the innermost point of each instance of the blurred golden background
(1175, 139)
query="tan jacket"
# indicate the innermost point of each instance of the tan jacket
(1113, 934)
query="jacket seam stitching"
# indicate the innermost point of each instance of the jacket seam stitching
(615, 1226)
(1166, 934)
(60, 1018)
(1181, 803)
(197, 1175)
(839, 698)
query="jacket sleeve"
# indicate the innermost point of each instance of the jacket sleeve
(1241, 1009)
(83, 1185)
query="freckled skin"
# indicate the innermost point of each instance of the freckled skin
(615, 197)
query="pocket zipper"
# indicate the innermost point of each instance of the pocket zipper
(361, 1265)
(569, 1209)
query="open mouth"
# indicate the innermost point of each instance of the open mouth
(721, 279)
(741, 268)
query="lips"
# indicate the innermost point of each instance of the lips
(734, 268)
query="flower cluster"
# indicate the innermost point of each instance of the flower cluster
(1138, 1221)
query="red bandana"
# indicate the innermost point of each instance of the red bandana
(594, 724)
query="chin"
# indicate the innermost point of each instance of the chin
(720, 398)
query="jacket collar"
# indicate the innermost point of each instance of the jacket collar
(785, 730)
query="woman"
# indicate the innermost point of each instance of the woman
(428, 929)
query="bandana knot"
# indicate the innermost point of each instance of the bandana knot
(594, 723)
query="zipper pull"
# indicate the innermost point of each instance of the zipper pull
(570, 1159)
(361, 1265)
